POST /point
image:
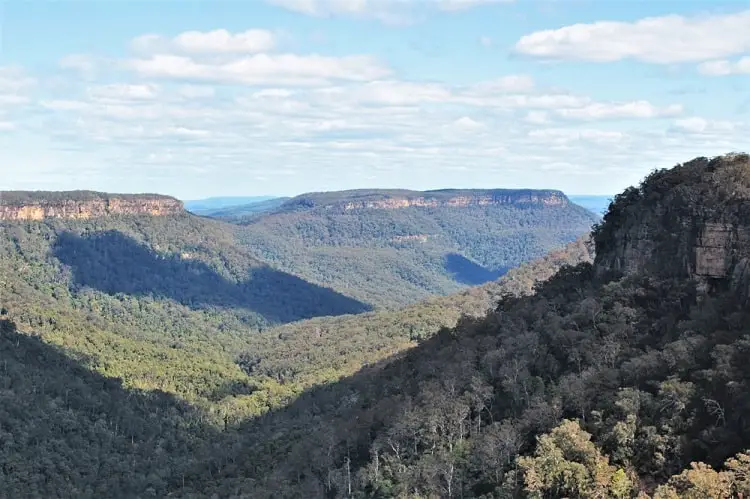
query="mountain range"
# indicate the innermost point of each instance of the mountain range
(147, 351)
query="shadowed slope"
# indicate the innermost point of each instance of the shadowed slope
(113, 263)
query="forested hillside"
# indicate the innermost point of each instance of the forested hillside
(173, 303)
(391, 248)
(187, 378)
(625, 377)
(164, 303)
(613, 380)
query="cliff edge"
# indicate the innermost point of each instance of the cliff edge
(395, 199)
(690, 221)
(38, 205)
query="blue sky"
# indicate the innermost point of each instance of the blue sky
(279, 97)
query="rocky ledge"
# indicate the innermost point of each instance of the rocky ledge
(39, 205)
(449, 198)
(692, 221)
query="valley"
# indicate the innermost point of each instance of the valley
(392, 248)
(153, 352)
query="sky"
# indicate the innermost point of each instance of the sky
(280, 97)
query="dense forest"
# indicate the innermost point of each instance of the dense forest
(124, 396)
(619, 377)
(391, 257)
(174, 304)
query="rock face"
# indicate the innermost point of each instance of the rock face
(25, 206)
(689, 221)
(450, 198)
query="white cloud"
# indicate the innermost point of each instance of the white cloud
(261, 69)
(14, 80)
(467, 123)
(566, 135)
(386, 11)
(80, 62)
(124, 92)
(660, 40)
(455, 5)
(195, 91)
(486, 41)
(6, 126)
(273, 93)
(504, 85)
(218, 41)
(623, 110)
(399, 93)
(537, 117)
(724, 67)
(698, 125)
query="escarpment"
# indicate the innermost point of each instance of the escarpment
(39, 205)
(446, 198)
(690, 221)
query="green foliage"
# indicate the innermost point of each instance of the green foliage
(164, 337)
(392, 257)
(14, 198)
(594, 385)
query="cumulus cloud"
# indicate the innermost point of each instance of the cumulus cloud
(506, 84)
(537, 117)
(257, 69)
(387, 11)
(80, 62)
(564, 135)
(698, 125)
(195, 91)
(179, 104)
(467, 123)
(725, 67)
(455, 5)
(124, 92)
(14, 80)
(218, 41)
(620, 110)
(659, 40)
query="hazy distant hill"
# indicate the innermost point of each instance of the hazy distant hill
(595, 204)
(203, 206)
(389, 248)
(236, 213)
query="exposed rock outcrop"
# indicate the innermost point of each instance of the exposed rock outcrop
(451, 198)
(689, 221)
(22, 205)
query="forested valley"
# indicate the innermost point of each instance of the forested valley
(616, 367)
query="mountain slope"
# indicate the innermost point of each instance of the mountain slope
(391, 248)
(636, 349)
(71, 432)
(125, 291)
(323, 349)
(163, 302)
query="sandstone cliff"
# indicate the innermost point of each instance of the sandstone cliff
(689, 221)
(38, 205)
(450, 198)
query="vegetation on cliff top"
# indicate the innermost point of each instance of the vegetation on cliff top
(20, 198)
(325, 199)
